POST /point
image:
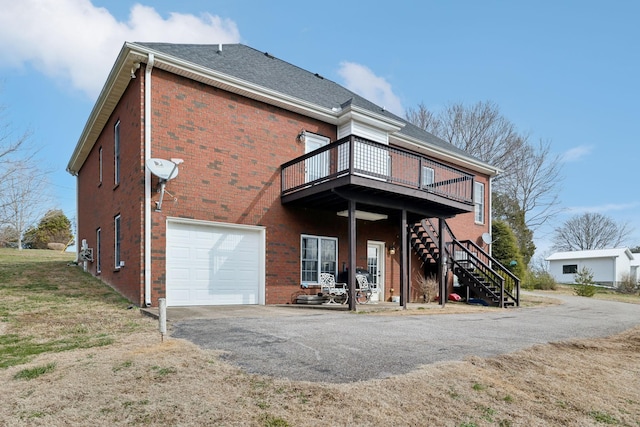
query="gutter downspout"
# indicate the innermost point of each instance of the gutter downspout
(490, 194)
(147, 181)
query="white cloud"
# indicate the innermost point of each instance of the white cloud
(577, 153)
(609, 207)
(365, 83)
(78, 42)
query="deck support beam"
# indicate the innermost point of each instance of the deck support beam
(404, 261)
(351, 279)
(442, 263)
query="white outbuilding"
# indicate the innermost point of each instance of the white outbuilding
(609, 266)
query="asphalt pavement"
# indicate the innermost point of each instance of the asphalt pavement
(339, 346)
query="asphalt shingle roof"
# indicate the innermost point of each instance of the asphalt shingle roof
(263, 69)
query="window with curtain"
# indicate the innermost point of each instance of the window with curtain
(98, 254)
(478, 198)
(117, 239)
(317, 255)
(428, 176)
(116, 152)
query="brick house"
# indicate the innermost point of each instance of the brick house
(281, 175)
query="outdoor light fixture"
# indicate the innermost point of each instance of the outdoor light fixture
(368, 216)
(302, 136)
(392, 249)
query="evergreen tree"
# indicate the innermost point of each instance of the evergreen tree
(54, 227)
(506, 208)
(505, 248)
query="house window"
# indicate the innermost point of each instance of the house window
(570, 269)
(117, 239)
(317, 255)
(98, 253)
(428, 176)
(478, 198)
(100, 166)
(116, 152)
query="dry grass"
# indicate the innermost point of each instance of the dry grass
(605, 294)
(136, 379)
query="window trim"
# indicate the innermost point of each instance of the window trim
(116, 153)
(98, 253)
(479, 202)
(319, 257)
(100, 167)
(431, 174)
(117, 240)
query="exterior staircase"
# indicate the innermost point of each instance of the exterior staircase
(483, 276)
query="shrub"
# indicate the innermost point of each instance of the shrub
(427, 286)
(627, 285)
(584, 283)
(542, 280)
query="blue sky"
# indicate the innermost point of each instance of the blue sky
(564, 71)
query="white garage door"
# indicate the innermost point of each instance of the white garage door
(214, 264)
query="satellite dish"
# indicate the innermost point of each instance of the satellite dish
(163, 169)
(486, 238)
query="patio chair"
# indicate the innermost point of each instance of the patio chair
(363, 290)
(332, 289)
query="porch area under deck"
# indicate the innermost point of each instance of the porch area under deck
(355, 175)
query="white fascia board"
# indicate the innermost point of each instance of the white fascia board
(419, 145)
(629, 254)
(114, 87)
(378, 121)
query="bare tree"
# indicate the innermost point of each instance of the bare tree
(590, 231)
(424, 119)
(24, 198)
(534, 183)
(531, 175)
(14, 149)
(482, 131)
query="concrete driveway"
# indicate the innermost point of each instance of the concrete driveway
(338, 346)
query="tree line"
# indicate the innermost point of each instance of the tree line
(25, 195)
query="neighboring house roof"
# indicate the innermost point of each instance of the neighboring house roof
(594, 253)
(252, 73)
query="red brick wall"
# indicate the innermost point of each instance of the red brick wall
(232, 148)
(99, 203)
(464, 226)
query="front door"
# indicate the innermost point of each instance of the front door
(375, 265)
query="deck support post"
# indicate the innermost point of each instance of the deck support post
(351, 280)
(404, 261)
(442, 263)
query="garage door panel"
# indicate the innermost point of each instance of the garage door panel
(181, 274)
(213, 265)
(180, 252)
(202, 275)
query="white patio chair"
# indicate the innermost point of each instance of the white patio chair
(332, 289)
(363, 291)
